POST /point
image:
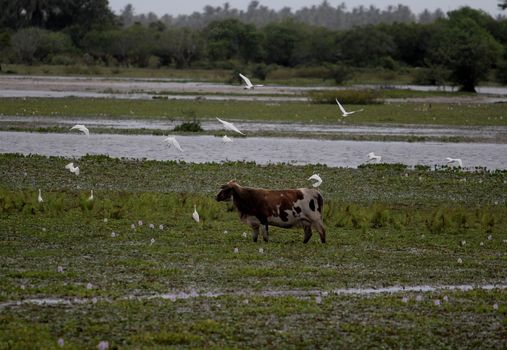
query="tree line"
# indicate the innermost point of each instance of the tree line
(461, 47)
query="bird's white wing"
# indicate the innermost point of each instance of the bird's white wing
(226, 139)
(172, 141)
(246, 80)
(229, 126)
(70, 166)
(317, 178)
(76, 170)
(344, 112)
(81, 128)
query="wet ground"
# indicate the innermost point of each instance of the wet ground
(135, 88)
(262, 150)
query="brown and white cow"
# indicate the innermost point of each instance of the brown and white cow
(283, 208)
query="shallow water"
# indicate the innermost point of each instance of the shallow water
(262, 150)
(173, 296)
(492, 133)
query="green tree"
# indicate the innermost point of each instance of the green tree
(281, 40)
(231, 38)
(466, 49)
(366, 46)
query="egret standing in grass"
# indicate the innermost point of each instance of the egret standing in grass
(344, 112)
(39, 198)
(317, 179)
(72, 168)
(374, 158)
(81, 128)
(195, 214)
(229, 126)
(454, 161)
(171, 140)
(91, 195)
(248, 83)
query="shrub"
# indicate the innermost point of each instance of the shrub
(193, 126)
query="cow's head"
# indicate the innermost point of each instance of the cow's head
(226, 191)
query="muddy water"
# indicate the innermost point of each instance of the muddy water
(201, 149)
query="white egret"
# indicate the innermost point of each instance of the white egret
(317, 179)
(248, 83)
(195, 214)
(152, 226)
(59, 269)
(171, 140)
(81, 128)
(236, 250)
(91, 196)
(113, 234)
(454, 161)
(152, 241)
(344, 112)
(244, 234)
(229, 126)
(261, 250)
(226, 139)
(373, 157)
(39, 198)
(72, 168)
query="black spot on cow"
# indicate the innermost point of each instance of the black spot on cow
(312, 205)
(298, 210)
(284, 216)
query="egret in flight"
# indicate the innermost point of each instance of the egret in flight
(344, 112)
(171, 140)
(81, 128)
(226, 139)
(229, 126)
(248, 83)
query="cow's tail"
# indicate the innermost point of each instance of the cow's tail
(320, 202)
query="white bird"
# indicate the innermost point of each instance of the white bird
(39, 198)
(91, 195)
(344, 112)
(373, 157)
(81, 128)
(195, 214)
(72, 168)
(248, 83)
(317, 179)
(454, 161)
(226, 139)
(171, 140)
(229, 126)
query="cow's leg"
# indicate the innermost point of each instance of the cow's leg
(265, 233)
(255, 231)
(322, 232)
(308, 230)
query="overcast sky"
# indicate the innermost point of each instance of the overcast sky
(161, 7)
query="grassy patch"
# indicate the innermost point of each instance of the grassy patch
(384, 228)
(406, 113)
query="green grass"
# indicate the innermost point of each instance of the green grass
(384, 228)
(406, 113)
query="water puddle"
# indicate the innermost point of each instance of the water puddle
(174, 296)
